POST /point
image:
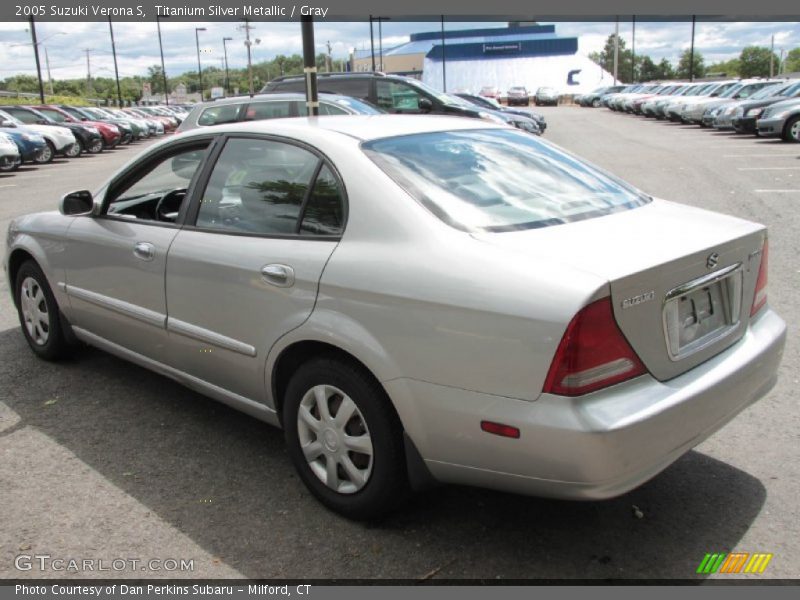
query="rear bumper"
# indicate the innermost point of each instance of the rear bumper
(592, 447)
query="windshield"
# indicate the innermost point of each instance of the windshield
(499, 179)
(731, 91)
(442, 97)
(53, 115)
(359, 106)
(4, 116)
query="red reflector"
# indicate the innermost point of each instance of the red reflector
(500, 429)
(593, 354)
(760, 297)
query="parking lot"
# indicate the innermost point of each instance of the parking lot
(101, 459)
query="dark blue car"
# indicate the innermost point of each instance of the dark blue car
(30, 145)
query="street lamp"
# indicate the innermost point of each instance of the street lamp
(161, 48)
(197, 31)
(225, 52)
(36, 45)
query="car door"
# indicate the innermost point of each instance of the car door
(115, 262)
(245, 268)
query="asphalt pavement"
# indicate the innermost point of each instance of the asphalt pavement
(103, 460)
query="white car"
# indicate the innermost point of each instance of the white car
(9, 153)
(60, 140)
(413, 299)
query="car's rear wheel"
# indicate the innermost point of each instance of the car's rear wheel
(344, 438)
(74, 150)
(596, 103)
(38, 312)
(46, 154)
(96, 146)
(791, 133)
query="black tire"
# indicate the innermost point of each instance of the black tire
(46, 155)
(596, 103)
(55, 346)
(10, 167)
(387, 484)
(787, 130)
(75, 150)
(96, 147)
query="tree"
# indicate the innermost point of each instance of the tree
(156, 77)
(665, 70)
(683, 71)
(792, 61)
(606, 59)
(754, 61)
(728, 67)
(647, 69)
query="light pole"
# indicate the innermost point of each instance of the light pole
(116, 70)
(36, 53)
(372, 42)
(225, 53)
(197, 31)
(36, 43)
(163, 69)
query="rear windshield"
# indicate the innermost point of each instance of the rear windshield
(499, 180)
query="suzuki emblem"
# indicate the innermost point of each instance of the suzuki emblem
(712, 260)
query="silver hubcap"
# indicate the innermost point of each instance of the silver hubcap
(335, 439)
(34, 311)
(46, 154)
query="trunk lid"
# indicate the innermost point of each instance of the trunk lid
(681, 279)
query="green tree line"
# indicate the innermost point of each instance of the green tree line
(105, 88)
(753, 61)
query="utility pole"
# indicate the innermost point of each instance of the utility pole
(328, 59)
(197, 31)
(772, 57)
(309, 64)
(49, 77)
(225, 52)
(163, 70)
(36, 54)
(691, 53)
(247, 27)
(116, 70)
(88, 73)
(616, 51)
(633, 51)
(380, 39)
(372, 42)
(444, 63)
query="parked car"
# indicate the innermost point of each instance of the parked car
(723, 119)
(518, 95)
(270, 106)
(781, 120)
(330, 264)
(703, 110)
(82, 114)
(140, 127)
(111, 133)
(60, 140)
(30, 145)
(746, 116)
(391, 93)
(677, 108)
(9, 153)
(489, 91)
(88, 137)
(493, 104)
(545, 96)
(511, 117)
(156, 124)
(593, 98)
(162, 111)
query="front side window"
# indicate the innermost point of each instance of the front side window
(397, 97)
(260, 187)
(222, 113)
(158, 190)
(54, 115)
(324, 211)
(23, 115)
(499, 180)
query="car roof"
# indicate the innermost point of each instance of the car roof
(361, 127)
(272, 97)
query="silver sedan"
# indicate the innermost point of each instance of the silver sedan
(414, 300)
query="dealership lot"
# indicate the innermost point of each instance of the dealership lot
(102, 460)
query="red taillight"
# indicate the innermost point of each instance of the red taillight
(593, 354)
(500, 429)
(760, 297)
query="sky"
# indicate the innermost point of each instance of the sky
(137, 42)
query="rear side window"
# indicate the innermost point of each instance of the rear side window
(357, 87)
(499, 180)
(273, 109)
(264, 187)
(221, 113)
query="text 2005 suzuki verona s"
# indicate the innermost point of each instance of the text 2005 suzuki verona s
(413, 299)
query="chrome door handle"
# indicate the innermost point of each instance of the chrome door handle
(144, 250)
(279, 275)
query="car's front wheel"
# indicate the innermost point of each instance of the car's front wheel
(344, 438)
(46, 154)
(792, 130)
(74, 150)
(38, 312)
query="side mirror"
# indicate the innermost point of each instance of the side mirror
(714, 94)
(41, 122)
(76, 204)
(425, 104)
(8, 124)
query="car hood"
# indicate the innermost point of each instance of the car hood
(788, 103)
